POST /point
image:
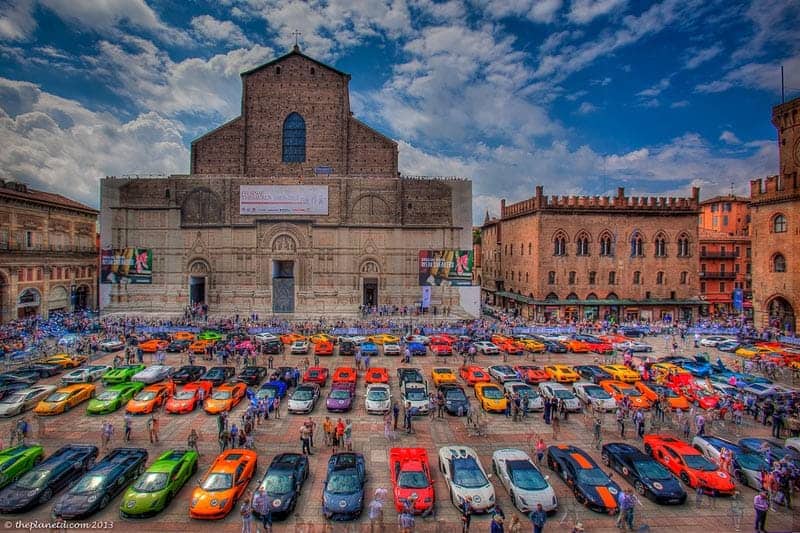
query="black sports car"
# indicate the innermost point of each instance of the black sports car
(38, 485)
(23, 374)
(272, 346)
(252, 375)
(552, 346)
(590, 484)
(44, 370)
(455, 400)
(646, 474)
(283, 482)
(347, 348)
(178, 346)
(188, 373)
(218, 375)
(95, 489)
(592, 373)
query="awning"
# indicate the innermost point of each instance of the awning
(533, 301)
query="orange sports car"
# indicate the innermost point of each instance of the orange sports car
(652, 390)
(150, 397)
(511, 347)
(532, 374)
(499, 339)
(344, 374)
(576, 346)
(183, 336)
(224, 483)
(188, 398)
(689, 464)
(620, 389)
(153, 345)
(226, 397)
(199, 346)
(474, 374)
(316, 374)
(323, 348)
(377, 374)
(289, 338)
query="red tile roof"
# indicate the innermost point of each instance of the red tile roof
(43, 197)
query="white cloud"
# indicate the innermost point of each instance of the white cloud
(679, 104)
(586, 108)
(729, 137)
(16, 20)
(58, 145)
(656, 89)
(585, 11)
(763, 76)
(211, 30)
(542, 11)
(701, 56)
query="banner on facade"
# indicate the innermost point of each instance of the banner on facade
(283, 200)
(128, 265)
(445, 267)
(738, 299)
(426, 296)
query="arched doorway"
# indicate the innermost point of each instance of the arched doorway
(82, 298)
(58, 300)
(369, 282)
(198, 276)
(28, 303)
(781, 314)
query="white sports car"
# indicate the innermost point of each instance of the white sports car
(713, 340)
(524, 482)
(551, 389)
(154, 374)
(486, 348)
(265, 337)
(112, 345)
(378, 398)
(535, 401)
(419, 338)
(20, 401)
(746, 466)
(417, 395)
(299, 347)
(634, 346)
(503, 373)
(591, 393)
(391, 348)
(465, 477)
(86, 374)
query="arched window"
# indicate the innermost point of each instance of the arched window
(779, 224)
(778, 263)
(683, 245)
(606, 245)
(637, 278)
(560, 245)
(552, 296)
(294, 139)
(582, 244)
(661, 245)
(612, 278)
(637, 246)
(551, 277)
(591, 296)
(572, 296)
(684, 277)
(571, 276)
(659, 278)
(612, 296)
(592, 277)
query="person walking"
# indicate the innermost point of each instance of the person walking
(311, 426)
(627, 503)
(128, 421)
(276, 406)
(496, 525)
(375, 512)
(761, 506)
(395, 413)
(538, 518)
(191, 441)
(305, 439)
(466, 513)
(107, 433)
(541, 448)
(621, 422)
(246, 512)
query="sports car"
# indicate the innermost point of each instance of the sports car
(412, 481)
(44, 371)
(376, 374)
(369, 349)
(486, 348)
(562, 373)
(772, 447)
(695, 395)
(225, 398)
(217, 375)
(441, 348)
(65, 360)
(29, 376)
(378, 398)
(283, 482)
(713, 340)
(321, 337)
(490, 397)
(651, 391)
(178, 346)
(383, 338)
(410, 375)
(633, 346)
(688, 464)
(187, 399)
(112, 345)
(422, 339)
(252, 375)
(304, 398)
(440, 376)
(113, 397)
(290, 338)
(649, 478)
(210, 335)
(343, 492)
(746, 466)
(347, 347)
(527, 394)
(188, 373)
(316, 374)
(622, 373)
(299, 348)
(619, 389)
(265, 336)
(153, 374)
(662, 372)
(502, 373)
(700, 367)
(473, 374)
(525, 484)
(39, 484)
(577, 346)
(417, 349)
(530, 344)
(154, 489)
(86, 374)
(415, 394)
(344, 374)
(749, 351)
(593, 394)
(199, 346)
(340, 398)
(465, 477)
(532, 374)
(150, 398)
(270, 390)
(592, 373)
(728, 346)
(391, 349)
(498, 339)
(97, 487)
(20, 401)
(183, 336)
(554, 346)
(223, 484)
(511, 347)
(595, 344)
(7, 388)
(590, 484)
(153, 345)
(64, 399)
(17, 460)
(553, 390)
(323, 348)
(121, 374)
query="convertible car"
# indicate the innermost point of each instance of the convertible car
(590, 484)
(647, 476)
(223, 484)
(283, 482)
(412, 481)
(154, 489)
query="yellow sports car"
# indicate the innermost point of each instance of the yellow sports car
(622, 373)
(531, 345)
(384, 338)
(662, 371)
(65, 360)
(65, 398)
(443, 375)
(491, 397)
(321, 337)
(749, 351)
(562, 373)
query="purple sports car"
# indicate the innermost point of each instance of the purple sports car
(340, 398)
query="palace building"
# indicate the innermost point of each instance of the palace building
(295, 206)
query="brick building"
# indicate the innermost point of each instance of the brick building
(629, 258)
(293, 207)
(48, 253)
(775, 212)
(725, 256)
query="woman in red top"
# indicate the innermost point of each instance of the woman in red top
(339, 437)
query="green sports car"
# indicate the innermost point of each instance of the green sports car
(154, 489)
(121, 374)
(210, 335)
(113, 397)
(17, 460)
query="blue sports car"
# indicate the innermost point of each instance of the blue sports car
(369, 348)
(283, 481)
(647, 476)
(700, 367)
(590, 484)
(343, 494)
(417, 348)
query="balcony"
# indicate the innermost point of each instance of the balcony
(717, 275)
(718, 255)
(67, 249)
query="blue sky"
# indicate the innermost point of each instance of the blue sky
(580, 96)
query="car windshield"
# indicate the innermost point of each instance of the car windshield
(593, 477)
(377, 395)
(492, 393)
(35, 479)
(13, 398)
(277, 484)
(597, 393)
(525, 476)
(698, 462)
(314, 373)
(563, 394)
(302, 395)
(412, 480)
(88, 484)
(184, 395)
(467, 474)
(266, 393)
(145, 396)
(217, 481)
(454, 394)
(630, 391)
(151, 482)
(477, 374)
(343, 483)
(107, 395)
(340, 394)
(221, 395)
(415, 394)
(751, 461)
(651, 470)
(57, 397)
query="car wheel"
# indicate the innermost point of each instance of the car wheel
(648, 450)
(88, 463)
(640, 488)
(45, 496)
(685, 478)
(606, 459)
(104, 501)
(579, 498)
(194, 468)
(140, 470)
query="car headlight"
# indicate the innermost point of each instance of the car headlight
(194, 501)
(491, 498)
(92, 498)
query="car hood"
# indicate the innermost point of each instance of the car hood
(9, 408)
(338, 503)
(12, 498)
(213, 405)
(482, 497)
(135, 404)
(338, 402)
(76, 504)
(716, 480)
(209, 502)
(669, 486)
(544, 496)
(603, 496)
(99, 405)
(139, 502)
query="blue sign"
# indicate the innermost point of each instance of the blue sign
(738, 299)
(323, 170)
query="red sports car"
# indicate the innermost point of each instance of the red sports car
(323, 348)
(187, 399)
(441, 348)
(442, 338)
(473, 375)
(411, 479)
(684, 384)
(688, 464)
(376, 374)
(344, 374)
(532, 374)
(316, 374)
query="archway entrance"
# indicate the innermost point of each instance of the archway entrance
(283, 286)
(81, 298)
(197, 290)
(58, 300)
(781, 314)
(370, 296)
(28, 303)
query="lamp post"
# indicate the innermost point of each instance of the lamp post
(73, 295)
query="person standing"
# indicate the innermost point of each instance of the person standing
(395, 413)
(556, 427)
(466, 513)
(128, 427)
(327, 428)
(246, 512)
(348, 435)
(541, 448)
(627, 502)
(621, 422)
(192, 441)
(761, 506)
(261, 506)
(538, 518)
(305, 439)
(375, 511)
(311, 426)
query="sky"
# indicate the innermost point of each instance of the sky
(580, 96)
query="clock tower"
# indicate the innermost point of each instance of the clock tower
(786, 118)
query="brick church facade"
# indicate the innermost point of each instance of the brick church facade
(354, 239)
